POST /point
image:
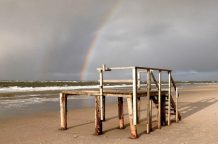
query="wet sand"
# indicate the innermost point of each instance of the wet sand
(198, 107)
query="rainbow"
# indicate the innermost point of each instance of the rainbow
(97, 38)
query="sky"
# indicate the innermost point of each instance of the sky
(69, 39)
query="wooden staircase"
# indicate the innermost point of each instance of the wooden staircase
(165, 107)
(172, 107)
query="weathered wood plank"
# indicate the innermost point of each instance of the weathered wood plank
(177, 113)
(169, 99)
(148, 101)
(117, 81)
(155, 81)
(124, 92)
(133, 130)
(98, 121)
(163, 111)
(138, 109)
(102, 99)
(120, 112)
(150, 109)
(63, 111)
(159, 99)
(139, 80)
(134, 95)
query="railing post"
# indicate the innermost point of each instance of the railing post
(159, 100)
(134, 88)
(102, 98)
(148, 101)
(177, 113)
(139, 80)
(169, 99)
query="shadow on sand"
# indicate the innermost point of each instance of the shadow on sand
(189, 108)
(186, 109)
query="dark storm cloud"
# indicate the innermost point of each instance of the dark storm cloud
(179, 35)
(48, 39)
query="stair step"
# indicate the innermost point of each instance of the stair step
(170, 109)
(170, 114)
(167, 105)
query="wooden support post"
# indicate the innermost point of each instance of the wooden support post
(138, 109)
(134, 96)
(150, 115)
(120, 112)
(102, 98)
(148, 101)
(169, 99)
(159, 100)
(177, 113)
(163, 110)
(139, 80)
(98, 121)
(63, 111)
(133, 129)
(103, 108)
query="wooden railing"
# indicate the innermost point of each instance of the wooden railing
(136, 84)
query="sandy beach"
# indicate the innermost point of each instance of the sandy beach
(197, 104)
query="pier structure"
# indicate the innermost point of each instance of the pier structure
(154, 89)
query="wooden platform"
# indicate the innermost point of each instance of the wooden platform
(115, 92)
(159, 96)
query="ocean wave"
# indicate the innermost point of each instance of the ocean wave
(52, 88)
(32, 89)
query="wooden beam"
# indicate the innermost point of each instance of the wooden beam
(120, 112)
(139, 80)
(134, 88)
(177, 112)
(174, 84)
(98, 121)
(169, 99)
(137, 67)
(163, 111)
(159, 99)
(63, 111)
(150, 68)
(118, 81)
(102, 98)
(155, 81)
(150, 114)
(148, 101)
(122, 68)
(133, 130)
(138, 109)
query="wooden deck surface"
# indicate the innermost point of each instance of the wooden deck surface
(116, 92)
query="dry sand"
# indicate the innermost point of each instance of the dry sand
(198, 107)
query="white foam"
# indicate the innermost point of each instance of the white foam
(23, 102)
(32, 89)
(28, 99)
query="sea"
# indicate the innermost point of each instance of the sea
(22, 98)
